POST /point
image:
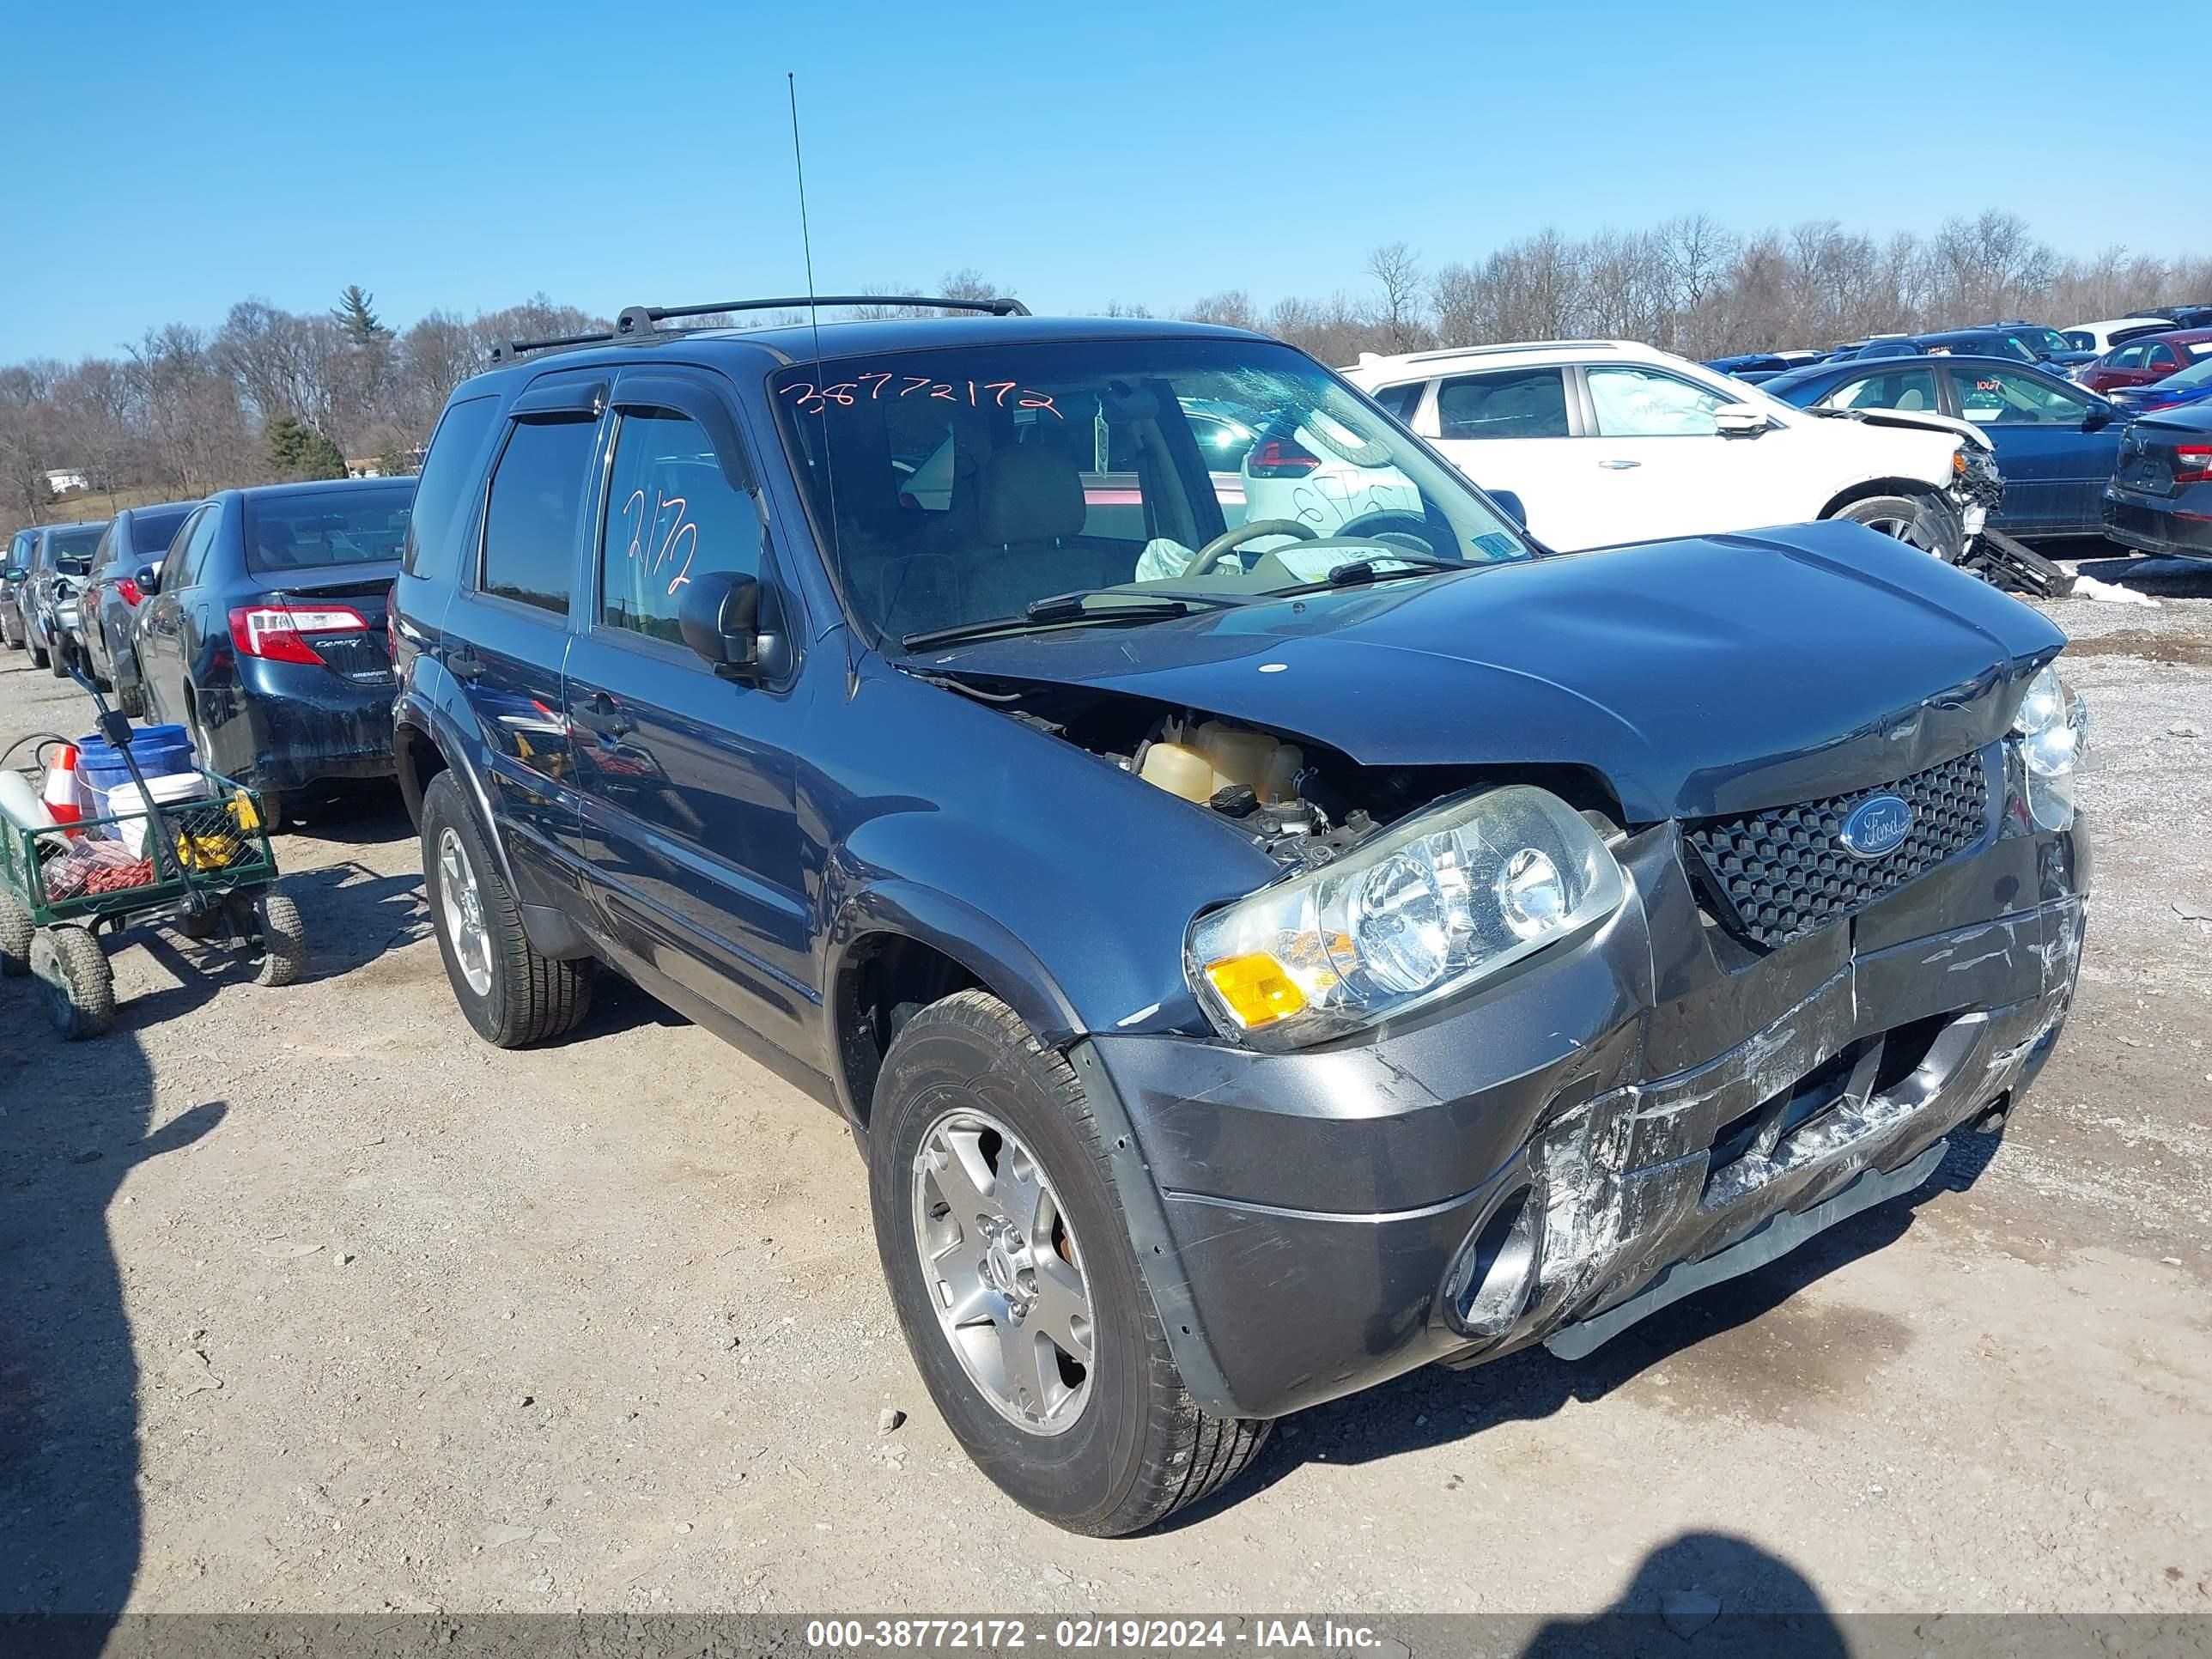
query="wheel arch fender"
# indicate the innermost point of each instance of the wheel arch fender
(420, 720)
(986, 948)
(1867, 488)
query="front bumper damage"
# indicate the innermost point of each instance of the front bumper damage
(1653, 1109)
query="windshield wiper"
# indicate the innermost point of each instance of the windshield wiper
(1063, 609)
(1360, 572)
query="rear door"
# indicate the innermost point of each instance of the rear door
(507, 633)
(2054, 460)
(687, 780)
(1508, 429)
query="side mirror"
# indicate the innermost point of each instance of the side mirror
(733, 623)
(1510, 504)
(2099, 415)
(1740, 421)
(148, 580)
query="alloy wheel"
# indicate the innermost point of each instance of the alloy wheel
(1907, 531)
(1003, 1270)
(462, 903)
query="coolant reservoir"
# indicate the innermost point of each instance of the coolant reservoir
(1179, 769)
(1282, 767)
(1239, 757)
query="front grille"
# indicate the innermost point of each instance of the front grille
(1783, 873)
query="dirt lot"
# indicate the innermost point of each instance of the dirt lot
(313, 1301)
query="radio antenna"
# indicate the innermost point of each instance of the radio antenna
(814, 323)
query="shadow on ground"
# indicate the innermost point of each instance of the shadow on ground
(1704, 1594)
(74, 1120)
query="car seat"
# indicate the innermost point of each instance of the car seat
(1031, 511)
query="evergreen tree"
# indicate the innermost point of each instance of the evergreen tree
(356, 313)
(297, 451)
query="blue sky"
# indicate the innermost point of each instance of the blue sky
(465, 156)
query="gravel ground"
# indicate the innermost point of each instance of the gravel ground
(313, 1301)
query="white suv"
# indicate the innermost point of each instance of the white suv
(1608, 440)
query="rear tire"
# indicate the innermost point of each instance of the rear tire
(510, 993)
(1119, 1444)
(80, 985)
(1916, 521)
(39, 654)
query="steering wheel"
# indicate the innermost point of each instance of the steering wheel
(1228, 540)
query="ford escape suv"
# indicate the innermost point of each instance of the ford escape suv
(1256, 961)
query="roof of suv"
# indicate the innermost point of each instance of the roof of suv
(787, 344)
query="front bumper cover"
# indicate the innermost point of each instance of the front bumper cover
(1547, 1151)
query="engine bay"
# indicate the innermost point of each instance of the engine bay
(1303, 803)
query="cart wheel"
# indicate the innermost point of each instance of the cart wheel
(283, 939)
(80, 986)
(15, 932)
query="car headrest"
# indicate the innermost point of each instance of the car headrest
(1029, 493)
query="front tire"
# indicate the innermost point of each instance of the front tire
(1008, 1258)
(1916, 521)
(79, 984)
(510, 993)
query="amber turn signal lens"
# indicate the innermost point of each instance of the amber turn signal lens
(1255, 988)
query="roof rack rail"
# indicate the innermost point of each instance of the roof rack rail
(635, 320)
(503, 349)
(639, 319)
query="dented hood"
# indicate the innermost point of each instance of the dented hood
(1700, 677)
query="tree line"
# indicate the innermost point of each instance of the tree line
(272, 394)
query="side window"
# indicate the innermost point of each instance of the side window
(670, 517)
(1646, 402)
(449, 472)
(2129, 357)
(107, 549)
(2001, 397)
(1901, 388)
(2161, 360)
(1526, 403)
(530, 523)
(192, 546)
(1402, 400)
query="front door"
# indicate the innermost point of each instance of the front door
(690, 822)
(2055, 456)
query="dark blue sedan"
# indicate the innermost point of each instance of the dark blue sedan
(2055, 443)
(264, 632)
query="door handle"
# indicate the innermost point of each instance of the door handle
(1619, 467)
(601, 715)
(464, 665)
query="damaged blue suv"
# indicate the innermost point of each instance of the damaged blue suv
(1270, 924)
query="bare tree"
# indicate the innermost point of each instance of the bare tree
(1230, 308)
(1397, 270)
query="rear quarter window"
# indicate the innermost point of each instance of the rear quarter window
(446, 494)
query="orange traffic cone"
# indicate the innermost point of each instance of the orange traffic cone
(60, 796)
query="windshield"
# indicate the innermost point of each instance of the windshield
(70, 551)
(2046, 339)
(2197, 374)
(315, 530)
(971, 483)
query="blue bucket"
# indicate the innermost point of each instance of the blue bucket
(159, 751)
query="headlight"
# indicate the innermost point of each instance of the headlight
(2051, 734)
(1445, 899)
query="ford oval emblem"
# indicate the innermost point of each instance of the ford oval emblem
(1877, 827)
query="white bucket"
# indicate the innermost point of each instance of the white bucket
(123, 801)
